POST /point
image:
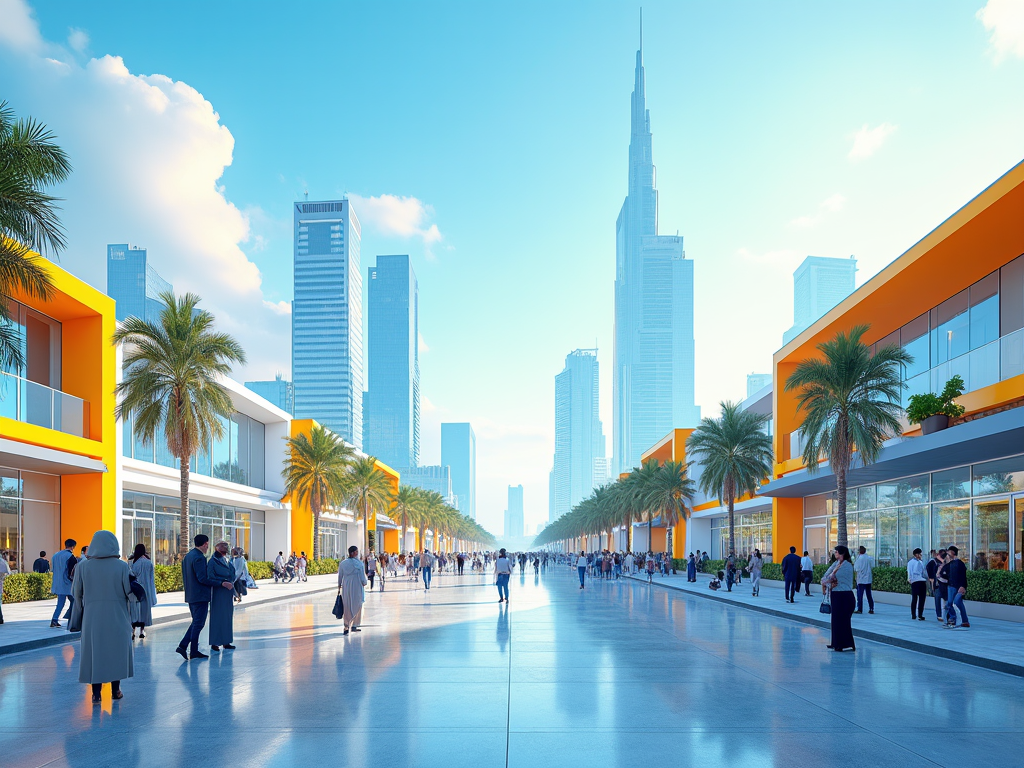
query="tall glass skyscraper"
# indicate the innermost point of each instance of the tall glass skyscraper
(819, 283)
(579, 435)
(279, 392)
(654, 356)
(133, 283)
(391, 404)
(458, 451)
(327, 318)
(514, 515)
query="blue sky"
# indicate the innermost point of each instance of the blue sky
(489, 142)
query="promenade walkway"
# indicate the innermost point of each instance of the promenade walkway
(616, 674)
(988, 643)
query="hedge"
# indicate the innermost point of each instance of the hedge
(23, 587)
(1001, 587)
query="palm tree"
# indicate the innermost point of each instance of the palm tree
(316, 472)
(370, 490)
(667, 495)
(735, 454)
(850, 400)
(406, 504)
(30, 160)
(171, 385)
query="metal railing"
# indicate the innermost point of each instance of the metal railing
(32, 403)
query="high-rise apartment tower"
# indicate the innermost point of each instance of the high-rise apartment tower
(514, 515)
(819, 283)
(133, 283)
(327, 318)
(458, 451)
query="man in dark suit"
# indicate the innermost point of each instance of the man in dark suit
(197, 595)
(791, 574)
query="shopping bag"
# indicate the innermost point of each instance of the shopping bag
(339, 607)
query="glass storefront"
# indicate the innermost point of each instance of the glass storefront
(29, 516)
(974, 507)
(333, 539)
(153, 521)
(238, 455)
(753, 531)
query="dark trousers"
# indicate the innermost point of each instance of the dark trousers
(792, 587)
(918, 593)
(806, 577)
(938, 593)
(842, 629)
(199, 613)
(861, 590)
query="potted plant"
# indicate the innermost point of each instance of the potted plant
(932, 411)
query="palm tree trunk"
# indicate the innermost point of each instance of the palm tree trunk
(366, 528)
(316, 528)
(841, 537)
(401, 545)
(732, 526)
(183, 547)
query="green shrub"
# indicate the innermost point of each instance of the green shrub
(322, 566)
(22, 587)
(261, 569)
(167, 577)
(996, 587)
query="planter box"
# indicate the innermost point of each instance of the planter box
(934, 423)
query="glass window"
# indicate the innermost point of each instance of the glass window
(10, 483)
(10, 532)
(204, 462)
(866, 497)
(164, 457)
(918, 385)
(1011, 355)
(913, 532)
(886, 542)
(240, 447)
(950, 328)
(985, 311)
(851, 500)
(1018, 533)
(257, 455)
(1011, 299)
(951, 525)
(1002, 476)
(886, 494)
(912, 490)
(991, 528)
(892, 340)
(234, 426)
(222, 451)
(984, 367)
(814, 506)
(866, 532)
(951, 484)
(914, 338)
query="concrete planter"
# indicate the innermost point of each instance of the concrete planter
(934, 423)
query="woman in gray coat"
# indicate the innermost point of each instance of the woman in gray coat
(101, 589)
(222, 604)
(142, 610)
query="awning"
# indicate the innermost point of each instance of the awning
(991, 437)
(34, 458)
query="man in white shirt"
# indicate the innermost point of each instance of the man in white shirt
(918, 585)
(279, 567)
(806, 573)
(862, 567)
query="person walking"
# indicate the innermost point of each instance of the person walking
(41, 564)
(934, 565)
(5, 571)
(806, 573)
(918, 585)
(581, 568)
(141, 568)
(242, 578)
(101, 589)
(460, 560)
(628, 562)
(754, 565)
(303, 563)
(426, 567)
(863, 568)
(502, 574)
(691, 568)
(279, 567)
(837, 583)
(791, 574)
(956, 588)
(64, 564)
(371, 567)
(222, 601)
(730, 573)
(352, 582)
(196, 580)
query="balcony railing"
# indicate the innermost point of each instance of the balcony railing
(32, 403)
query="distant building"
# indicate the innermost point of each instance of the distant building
(430, 478)
(391, 404)
(327, 318)
(458, 451)
(819, 283)
(279, 392)
(757, 381)
(579, 463)
(514, 517)
(133, 283)
(653, 371)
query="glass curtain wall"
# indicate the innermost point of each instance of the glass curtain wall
(333, 539)
(973, 507)
(153, 521)
(29, 516)
(753, 531)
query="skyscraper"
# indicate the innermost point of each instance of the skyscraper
(579, 436)
(514, 518)
(280, 392)
(654, 352)
(757, 381)
(819, 283)
(430, 478)
(133, 283)
(458, 451)
(391, 405)
(327, 318)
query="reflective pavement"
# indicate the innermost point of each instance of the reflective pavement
(620, 673)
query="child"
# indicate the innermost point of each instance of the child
(716, 583)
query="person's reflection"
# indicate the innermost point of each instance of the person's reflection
(502, 632)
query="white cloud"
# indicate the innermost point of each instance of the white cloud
(867, 141)
(423, 344)
(78, 39)
(1004, 20)
(832, 204)
(283, 308)
(397, 216)
(148, 153)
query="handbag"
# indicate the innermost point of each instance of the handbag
(826, 605)
(339, 606)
